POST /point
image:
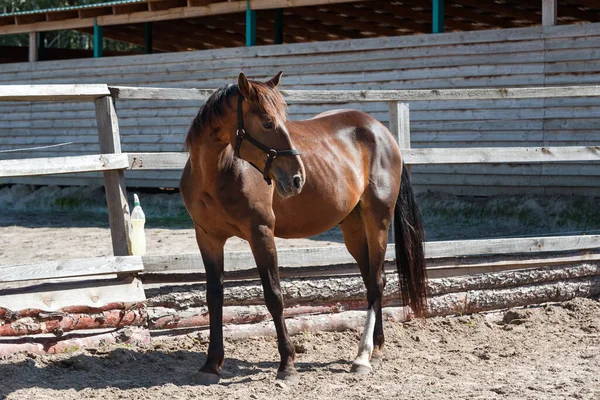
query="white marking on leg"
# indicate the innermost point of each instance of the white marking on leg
(365, 349)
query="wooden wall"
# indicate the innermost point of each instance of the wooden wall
(559, 55)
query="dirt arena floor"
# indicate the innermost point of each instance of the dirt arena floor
(544, 352)
(547, 352)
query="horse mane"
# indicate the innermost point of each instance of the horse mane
(268, 100)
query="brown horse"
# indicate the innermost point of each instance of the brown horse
(338, 168)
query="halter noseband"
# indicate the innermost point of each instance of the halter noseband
(271, 153)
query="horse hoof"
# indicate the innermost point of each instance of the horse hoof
(361, 369)
(205, 378)
(291, 377)
(376, 359)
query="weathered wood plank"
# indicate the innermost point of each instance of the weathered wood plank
(70, 268)
(114, 181)
(157, 160)
(344, 96)
(52, 92)
(91, 293)
(412, 156)
(501, 155)
(63, 165)
(338, 255)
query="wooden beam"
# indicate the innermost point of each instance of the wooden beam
(549, 9)
(350, 96)
(114, 181)
(137, 17)
(70, 268)
(236, 261)
(33, 47)
(437, 16)
(52, 92)
(491, 155)
(91, 293)
(62, 165)
(413, 156)
(105, 15)
(270, 4)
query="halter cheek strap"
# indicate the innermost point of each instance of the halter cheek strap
(271, 153)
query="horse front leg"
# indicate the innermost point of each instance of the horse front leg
(212, 255)
(265, 254)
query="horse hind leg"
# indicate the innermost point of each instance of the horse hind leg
(365, 234)
(355, 238)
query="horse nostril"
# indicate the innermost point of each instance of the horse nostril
(297, 182)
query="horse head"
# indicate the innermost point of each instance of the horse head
(262, 138)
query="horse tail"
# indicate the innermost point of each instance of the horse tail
(410, 257)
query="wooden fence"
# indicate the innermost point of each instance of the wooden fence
(456, 267)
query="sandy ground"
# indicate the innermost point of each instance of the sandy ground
(547, 352)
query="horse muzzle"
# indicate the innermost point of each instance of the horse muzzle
(290, 185)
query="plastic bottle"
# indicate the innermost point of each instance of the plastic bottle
(137, 237)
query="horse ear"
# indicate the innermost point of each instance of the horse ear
(244, 85)
(274, 81)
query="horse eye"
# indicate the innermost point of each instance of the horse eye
(268, 125)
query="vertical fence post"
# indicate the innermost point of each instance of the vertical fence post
(400, 128)
(114, 181)
(400, 123)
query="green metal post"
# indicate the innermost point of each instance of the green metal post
(279, 26)
(250, 25)
(438, 16)
(41, 38)
(98, 40)
(148, 37)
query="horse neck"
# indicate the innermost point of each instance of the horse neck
(210, 158)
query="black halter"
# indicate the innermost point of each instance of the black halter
(271, 153)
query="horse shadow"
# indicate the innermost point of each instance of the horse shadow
(124, 369)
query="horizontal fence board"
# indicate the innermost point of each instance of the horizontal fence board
(62, 165)
(338, 96)
(415, 156)
(91, 292)
(338, 255)
(501, 155)
(52, 92)
(70, 268)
